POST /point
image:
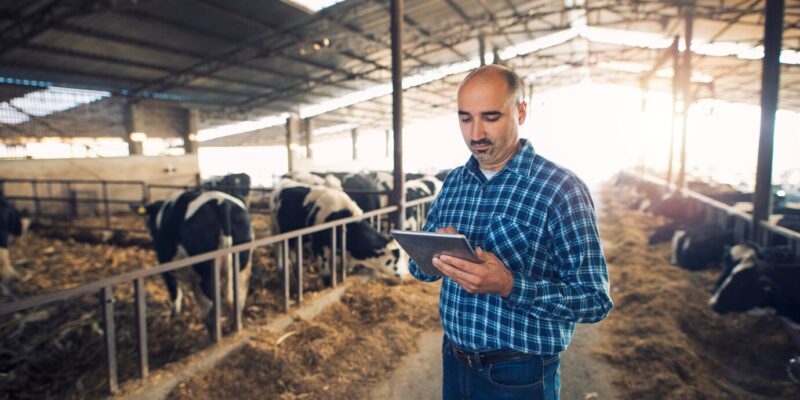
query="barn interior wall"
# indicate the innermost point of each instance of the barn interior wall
(163, 170)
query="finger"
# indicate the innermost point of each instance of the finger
(448, 229)
(464, 265)
(461, 277)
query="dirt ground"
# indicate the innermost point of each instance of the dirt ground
(341, 354)
(663, 337)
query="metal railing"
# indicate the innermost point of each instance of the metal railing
(723, 215)
(104, 288)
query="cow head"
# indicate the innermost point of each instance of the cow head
(151, 211)
(372, 250)
(745, 288)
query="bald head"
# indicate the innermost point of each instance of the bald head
(512, 80)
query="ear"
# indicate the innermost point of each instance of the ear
(138, 209)
(522, 112)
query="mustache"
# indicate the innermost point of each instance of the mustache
(480, 142)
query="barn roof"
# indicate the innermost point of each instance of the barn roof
(242, 60)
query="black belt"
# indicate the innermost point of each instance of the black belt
(484, 358)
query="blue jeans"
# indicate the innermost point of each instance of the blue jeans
(534, 378)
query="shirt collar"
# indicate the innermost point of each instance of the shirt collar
(521, 163)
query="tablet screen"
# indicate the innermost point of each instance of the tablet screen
(423, 246)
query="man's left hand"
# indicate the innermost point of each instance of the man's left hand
(491, 276)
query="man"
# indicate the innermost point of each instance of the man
(534, 227)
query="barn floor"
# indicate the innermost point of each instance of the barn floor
(661, 341)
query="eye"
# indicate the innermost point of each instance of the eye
(465, 118)
(492, 118)
(388, 262)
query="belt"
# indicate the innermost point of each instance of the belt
(483, 358)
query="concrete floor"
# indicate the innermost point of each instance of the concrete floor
(418, 376)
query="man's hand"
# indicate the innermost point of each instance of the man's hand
(489, 277)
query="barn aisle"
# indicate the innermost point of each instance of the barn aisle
(418, 375)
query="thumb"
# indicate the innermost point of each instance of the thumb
(483, 255)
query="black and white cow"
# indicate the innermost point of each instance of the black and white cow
(314, 178)
(418, 189)
(759, 284)
(358, 187)
(192, 223)
(12, 223)
(237, 185)
(740, 251)
(697, 247)
(297, 206)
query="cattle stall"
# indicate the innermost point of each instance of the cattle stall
(727, 217)
(136, 299)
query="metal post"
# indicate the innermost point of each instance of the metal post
(299, 269)
(770, 78)
(333, 257)
(309, 135)
(388, 142)
(141, 326)
(237, 309)
(397, 109)
(354, 139)
(676, 73)
(216, 309)
(106, 207)
(686, 76)
(482, 48)
(291, 130)
(36, 203)
(109, 333)
(285, 263)
(344, 252)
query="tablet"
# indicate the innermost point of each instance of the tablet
(423, 246)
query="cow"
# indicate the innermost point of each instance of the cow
(314, 178)
(442, 175)
(194, 222)
(696, 247)
(363, 191)
(757, 284)
(12, 223)
(296, 206)
(738, 252)
(416, 189)
(237, 185)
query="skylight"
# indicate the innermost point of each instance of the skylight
(315, 5)
(45, 102)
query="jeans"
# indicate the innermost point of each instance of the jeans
(534, 378)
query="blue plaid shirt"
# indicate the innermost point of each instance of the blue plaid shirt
(539, 219)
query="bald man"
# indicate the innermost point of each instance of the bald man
(533, 223)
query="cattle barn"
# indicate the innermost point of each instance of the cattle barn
(197, 196)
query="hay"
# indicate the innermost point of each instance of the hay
(339, 355)
(662, 336)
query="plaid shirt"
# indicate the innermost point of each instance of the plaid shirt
(539, 219)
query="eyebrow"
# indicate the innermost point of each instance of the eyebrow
(483, 113)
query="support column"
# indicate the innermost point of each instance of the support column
(308, 128)
(292, 129)
(354, 138)
(133, 133)
(388, 142)
(482, 48)
(192, 126)
(770, 79)
(686, 79)
(676, 73)
(398, 197)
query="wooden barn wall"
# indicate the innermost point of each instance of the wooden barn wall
(166, 170)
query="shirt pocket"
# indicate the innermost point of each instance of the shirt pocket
(508, 239)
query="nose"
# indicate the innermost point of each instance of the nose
(477, 130)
